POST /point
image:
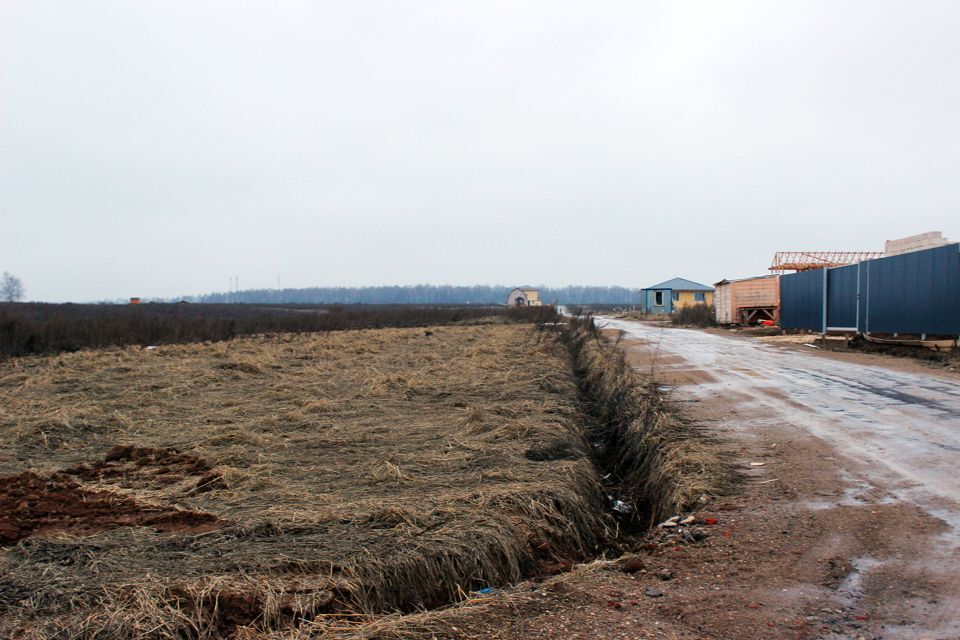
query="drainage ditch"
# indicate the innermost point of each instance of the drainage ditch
(635, 448)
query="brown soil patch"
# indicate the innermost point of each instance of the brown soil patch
(666, 369)
(32, 505)
(139, 467)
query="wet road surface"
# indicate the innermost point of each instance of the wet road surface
(893, 439)
(904, 426)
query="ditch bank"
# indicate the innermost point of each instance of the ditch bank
(652, 463)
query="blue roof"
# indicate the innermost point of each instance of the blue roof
(681, 284)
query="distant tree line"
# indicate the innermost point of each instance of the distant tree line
(37, 328)
(421, 294)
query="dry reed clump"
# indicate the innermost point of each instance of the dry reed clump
(350, 474)
(660, 462)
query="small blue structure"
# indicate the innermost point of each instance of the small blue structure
(666, 297)
(916, 293)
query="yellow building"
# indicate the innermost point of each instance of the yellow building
(524, 297)
(671, 295)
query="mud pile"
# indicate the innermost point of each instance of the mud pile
(33, 504)
(132, 467)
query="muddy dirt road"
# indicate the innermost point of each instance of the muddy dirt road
(853, 443)
(905, 425)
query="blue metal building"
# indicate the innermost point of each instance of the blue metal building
(915, 293)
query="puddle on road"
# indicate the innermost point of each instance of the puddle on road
(861, 495)
(851, 589)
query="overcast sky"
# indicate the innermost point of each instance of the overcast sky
(157, 148)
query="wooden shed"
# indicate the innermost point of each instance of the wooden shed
(747, 300)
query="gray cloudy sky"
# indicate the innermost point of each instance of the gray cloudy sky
(156, 148)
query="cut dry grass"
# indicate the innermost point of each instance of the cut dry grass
(357, 479)
(355, 472)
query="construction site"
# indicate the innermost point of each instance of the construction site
(908, 294)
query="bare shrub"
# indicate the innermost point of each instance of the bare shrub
(11, 288)
(695, 315)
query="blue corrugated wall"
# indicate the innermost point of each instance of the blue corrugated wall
(842, 297)
(913, 293)
(801, 300)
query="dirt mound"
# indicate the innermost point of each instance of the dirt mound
(137, 466)
(32, 504)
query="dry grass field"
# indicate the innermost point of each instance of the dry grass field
(246, 487)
